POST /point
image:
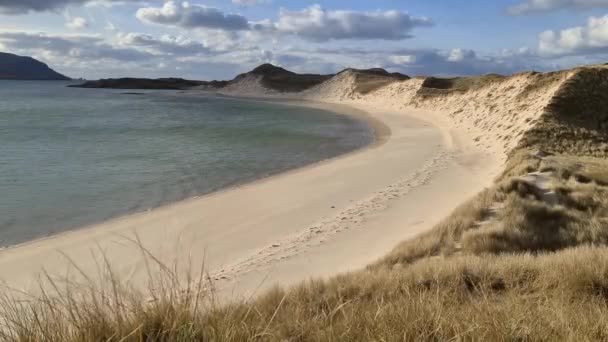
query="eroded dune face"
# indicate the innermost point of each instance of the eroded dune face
(565, 111)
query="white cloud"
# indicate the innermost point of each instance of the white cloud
(591, 38)
(77, 23)
(113, 3)
(532, 6)
(188, 15)
(110, 27)
(402, 59)
(313, 23)
(317, 24)
(459, 55)
(166, 44)
(250, 2)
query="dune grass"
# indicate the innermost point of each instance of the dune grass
(558, 296)
(367, 83)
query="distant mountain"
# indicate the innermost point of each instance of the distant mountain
(13, 67)
(277, 78)
(146, 83)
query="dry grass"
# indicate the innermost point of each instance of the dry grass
(527, 225)
(436, 85)
(518, 297)
(520, 162)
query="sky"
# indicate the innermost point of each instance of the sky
(217, 39)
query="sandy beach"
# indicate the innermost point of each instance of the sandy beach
(330, 217)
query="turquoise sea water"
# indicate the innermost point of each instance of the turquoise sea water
(71, 157)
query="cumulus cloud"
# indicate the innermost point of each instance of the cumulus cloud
(166, 44)
(313, 23)
(532, 6)
(588, 39)
(402, 59)
(250, 2)
(188, 15)
(459, 55)
(77, 23)
(110, 27)
(317, 24)
(25, 6)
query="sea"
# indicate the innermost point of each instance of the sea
(71, 157)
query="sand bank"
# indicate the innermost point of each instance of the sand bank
(329, 217)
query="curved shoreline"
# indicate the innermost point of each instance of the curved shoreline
(381, 134)
(332, 216)
(53, 242)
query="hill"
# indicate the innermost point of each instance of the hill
(13, 67)
(278, 79)
(269, 79)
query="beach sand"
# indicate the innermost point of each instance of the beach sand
(330, 217)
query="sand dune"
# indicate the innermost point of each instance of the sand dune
(479, 117)
(491, 113)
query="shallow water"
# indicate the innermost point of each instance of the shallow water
(71, 157)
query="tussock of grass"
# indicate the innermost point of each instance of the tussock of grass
(525, 225)
(520, 163)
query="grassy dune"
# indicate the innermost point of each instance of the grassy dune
(524, 260)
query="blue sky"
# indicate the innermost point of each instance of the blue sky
(216, 39)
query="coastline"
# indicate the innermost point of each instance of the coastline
(381, 133)
(269, 231)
